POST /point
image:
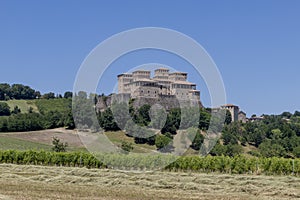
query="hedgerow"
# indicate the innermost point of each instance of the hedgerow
(220, 164)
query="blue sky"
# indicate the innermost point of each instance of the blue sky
(255, 44)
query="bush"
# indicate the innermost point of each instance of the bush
(126, 146)
(59, 146)
(162, 141)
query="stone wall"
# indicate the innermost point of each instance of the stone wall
(166, 101)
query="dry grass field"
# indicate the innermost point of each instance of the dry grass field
(40, 182)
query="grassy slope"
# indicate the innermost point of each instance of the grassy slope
(24, 105)
(40, 140)
(118, 137)
(46, 105)
(40, 182)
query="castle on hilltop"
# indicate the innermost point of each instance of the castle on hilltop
(168, 89)
(164, 84)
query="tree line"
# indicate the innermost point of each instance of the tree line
(20, 91)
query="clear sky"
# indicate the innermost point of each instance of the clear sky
(255, 44)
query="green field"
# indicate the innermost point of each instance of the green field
(40, 182)
(47, 105)
(19, 144)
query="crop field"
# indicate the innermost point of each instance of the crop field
(41, 182)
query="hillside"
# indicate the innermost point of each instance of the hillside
(40, 140)
(36, 114)
(23, 105)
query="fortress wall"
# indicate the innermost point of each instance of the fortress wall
(166, 101)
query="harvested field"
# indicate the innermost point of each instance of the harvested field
(39, 182)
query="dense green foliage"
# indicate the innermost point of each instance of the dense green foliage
(140, 122)
(162, 141)
(195, 137)
(75, 159)
(84, 112)
(17, 91)
(47, 105)
(4, 109)
(274, 135)
(53, 113)
(126, 146)
(220, 164)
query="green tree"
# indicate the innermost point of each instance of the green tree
(233, 150)
(218, 150)
(4, 109)
(49, 95)
(59, 146)
(162, 141)
(296, 151)
(204, 119)
(140, 134)
(4, 91)
(144, 115)
(30, 109)
(158, 118)
(228, 137)
(228, 117)
(269, 149)
(107, 121)
(195, 137)
(173, 121)
(120, 114)
(68, 95)
(126, 146)
(16, 110)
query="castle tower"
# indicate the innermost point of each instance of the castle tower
(234, 111)
(123, 81)
(140, 74)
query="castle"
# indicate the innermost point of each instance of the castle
(164, 84)
(170, 90)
